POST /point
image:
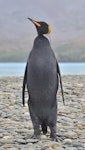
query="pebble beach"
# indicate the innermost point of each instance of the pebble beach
(15, 123)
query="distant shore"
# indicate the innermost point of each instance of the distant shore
(17, 69)
(15, 123)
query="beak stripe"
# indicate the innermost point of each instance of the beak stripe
(36, 23)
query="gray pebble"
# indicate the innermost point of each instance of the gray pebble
(32, 140)
(28, 148)
(71, 148)
(13, 149)
(8, 141)
(59, 148)
(77, 144)
(2, 130)
(21, 141)
(80, 148)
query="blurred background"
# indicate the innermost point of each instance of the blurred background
(67, 21)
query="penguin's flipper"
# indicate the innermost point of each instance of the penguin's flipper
(59, 74)
(24, 84)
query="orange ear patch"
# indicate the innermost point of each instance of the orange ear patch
(36, 23)
(49, 29)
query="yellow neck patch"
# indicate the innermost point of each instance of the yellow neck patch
(49, 29)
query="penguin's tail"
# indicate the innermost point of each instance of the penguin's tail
(44, 128)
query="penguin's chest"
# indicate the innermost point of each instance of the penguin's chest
(39, 70)
(42, 73)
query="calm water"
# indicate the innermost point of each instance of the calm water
(17, 69)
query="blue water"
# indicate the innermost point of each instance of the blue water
(17, 69)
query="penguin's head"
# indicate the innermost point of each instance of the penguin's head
(42, 27)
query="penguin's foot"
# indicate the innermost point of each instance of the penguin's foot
(35, 136)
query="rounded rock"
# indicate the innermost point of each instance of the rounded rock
(67, 141)
(71, 148)
(71, 135)
(77, 144)
(43, 137)
(13, 148)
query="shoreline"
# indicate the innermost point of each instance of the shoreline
(15, 123)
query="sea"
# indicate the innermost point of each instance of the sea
(17, 69)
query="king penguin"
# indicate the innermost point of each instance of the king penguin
(41, 77)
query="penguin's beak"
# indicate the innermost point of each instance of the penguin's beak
(37, 24)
